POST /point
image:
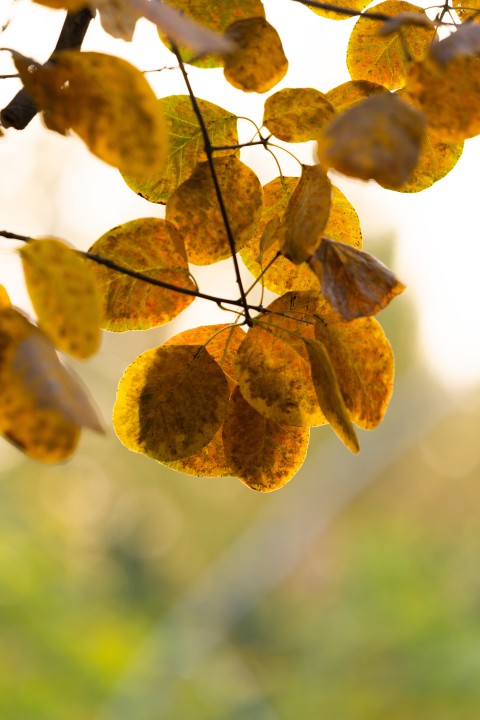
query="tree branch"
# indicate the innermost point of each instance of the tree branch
(21, 109)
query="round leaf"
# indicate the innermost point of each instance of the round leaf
(297, 114)
(350, 93)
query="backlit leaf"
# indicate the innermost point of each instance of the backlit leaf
(467, 10)
(170, 402)
(354, 282)
(4, 299)
(385, 59)
(283, 275)
(63, 292)
(350, 93)
(297, 114)
(106, 101)
(259, 62)
(222, 342)
(262, 453)
(431, 83)
(194, 209)
(464, 41)
(357, 5)
(363, 363)
(150, 246)
(379, 138)
(306, 215)
(329, 394)
(403, 20)
(215, 15)
(185, 144)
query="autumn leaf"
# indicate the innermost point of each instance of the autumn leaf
(385, 59)
(106, 101)
(306, 215)
(464, 41)
(194, 209)
(356, 5)
(258, 63)
(185, 144)
(379, 138)
(150, 246)
(262, 454)
(63, 292)
(352, 92)
(170, 402)
(297, 114)
(467, 10)
(4, 298)
(354, 282)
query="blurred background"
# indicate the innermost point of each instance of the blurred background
(130, 591)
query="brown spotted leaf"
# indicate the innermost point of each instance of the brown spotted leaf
(354, 282)
(379, 138)
(259, 62)
(185, 144)
(306, 215)
(355, 5)
(262, 453)
(194, 209)
(150, 246)
(329, 394)
(106, 101)
(297, 114)
(171, 401)
(385, 59)
(63, 292)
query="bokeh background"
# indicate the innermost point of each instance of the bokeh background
(130, 591)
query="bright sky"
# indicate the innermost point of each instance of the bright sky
(52, 185)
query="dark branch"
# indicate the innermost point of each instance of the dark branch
(21, 109)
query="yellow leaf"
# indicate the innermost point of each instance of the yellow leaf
(363, 363)
(379, 138)
(150, 246)
(306, 215)
(467, 10)
(431, 83)
(222, 342)
(185, 144)
(106, 101)
(354, 282)
(386, 59)
(262, 453)
(63, 292)
(350, 93)
(329, 394)
(283, 275)
(356, 5)
(170, 402)
(259, 62)
(297, 114)
(194, 209)
(4, 299)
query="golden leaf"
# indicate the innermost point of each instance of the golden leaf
(170, 402)
(356, 5)
(379, 138)
(4, 298)
(297, 114)
(63, 292)
(262, 453)
(106, 101)
(386, 59)
(259, 62)
(306, 215)
(150, 246)
(354, 282)
(350, 93)
(194, 209)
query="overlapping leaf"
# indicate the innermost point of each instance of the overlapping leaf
(185, 144)
(356, 5)
(106, 101)
(150, 246)
(430, 83)
(350, 93)
(379, 138)
(385, 59)
(262, 453)
(467, 10)
(306, 215)
(64, 294)
(259, 62)
(170, 402)
(222, 342)
(355, 283)
(297, 114)
(195, 211)
(283, 275)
